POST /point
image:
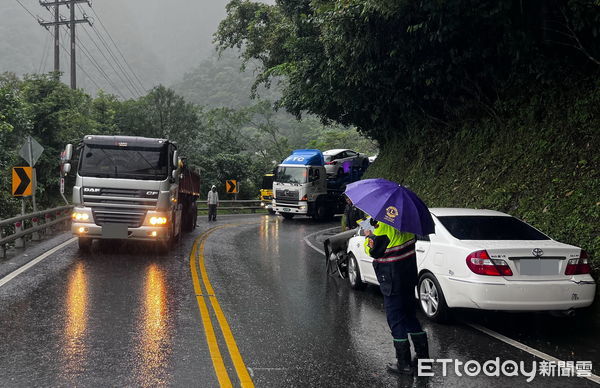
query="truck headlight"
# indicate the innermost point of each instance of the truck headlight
(80, 217)
(158, 220)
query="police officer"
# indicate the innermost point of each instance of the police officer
(394, 261)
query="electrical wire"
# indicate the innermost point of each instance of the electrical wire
(61, 45)
(133, 93)
(119, 50)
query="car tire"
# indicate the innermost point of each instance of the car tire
(287, 216)
(353, 271)
(85, 244)
(271, 211)
(431, 298)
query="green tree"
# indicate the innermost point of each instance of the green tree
(381, 65)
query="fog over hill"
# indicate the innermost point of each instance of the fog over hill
(160, 40)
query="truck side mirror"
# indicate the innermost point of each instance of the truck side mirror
(175, 160)
(66, 168)
(68, 153)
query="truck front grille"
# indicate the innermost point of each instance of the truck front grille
(286, 195)
(133, 218)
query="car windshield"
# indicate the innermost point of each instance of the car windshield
(291, 175)
(124, 162)
(490, 228)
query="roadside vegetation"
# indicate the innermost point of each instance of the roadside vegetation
(485, 104)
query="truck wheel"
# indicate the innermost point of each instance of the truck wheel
(323, 213)
(287, 216)
(85, 244)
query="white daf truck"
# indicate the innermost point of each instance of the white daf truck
(131, 188)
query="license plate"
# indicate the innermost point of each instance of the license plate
(537, 267)
(287, 209)
(114, 230)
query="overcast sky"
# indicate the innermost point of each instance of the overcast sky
(160, 40)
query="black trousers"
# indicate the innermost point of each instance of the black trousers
(397, 283)
(212, 212)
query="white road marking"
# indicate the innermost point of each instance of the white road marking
(524, 347)
(491, 333)
(313, 246)
(33, 262)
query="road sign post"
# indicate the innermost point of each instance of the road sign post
(232, 187)
(22, 181)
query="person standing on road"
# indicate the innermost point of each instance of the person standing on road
(351, 215)
(395, 264)
(212, 199)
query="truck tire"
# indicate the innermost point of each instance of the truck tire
(85, 244)
(287, 216)
(323, 212)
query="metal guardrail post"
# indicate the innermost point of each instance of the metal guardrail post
(35, 236)
(47, 218)
(20, 242)
(2, 246)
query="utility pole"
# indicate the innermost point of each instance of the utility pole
(71, 25)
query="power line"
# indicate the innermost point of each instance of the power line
(133, 93)
(116, 61)
(118, 49)
(61, 45)
(72, 23)
(90, 57)
(44, 57)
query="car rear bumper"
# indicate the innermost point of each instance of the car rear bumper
(520, 295)
(141, 233)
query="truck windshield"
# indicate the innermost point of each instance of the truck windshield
(124, 162)
(267, 183)
(291, 175)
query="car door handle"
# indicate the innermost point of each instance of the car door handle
(420, 250)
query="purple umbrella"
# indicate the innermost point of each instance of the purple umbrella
(392, 204)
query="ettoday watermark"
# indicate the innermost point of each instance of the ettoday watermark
(508, 368)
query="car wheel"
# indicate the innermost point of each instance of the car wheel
(287, 216)
(271, 211)
(85, 244)
(354, 273)
(431, 298)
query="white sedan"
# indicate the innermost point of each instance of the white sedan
(487, 260)
(340, 161)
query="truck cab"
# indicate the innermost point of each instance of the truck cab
(300, 187)
(131, 188)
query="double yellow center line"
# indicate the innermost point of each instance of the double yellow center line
(197, 262)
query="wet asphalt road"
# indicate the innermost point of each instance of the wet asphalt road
(126, 315)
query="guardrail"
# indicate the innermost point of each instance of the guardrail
(17, 228)
(243, 204)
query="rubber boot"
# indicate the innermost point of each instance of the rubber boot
(420, 345)
(402, 365)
